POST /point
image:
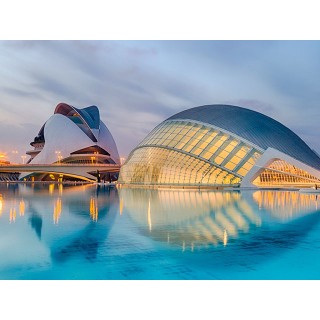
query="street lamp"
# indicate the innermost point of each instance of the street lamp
(58, 153)
(96, 157)
(23, 159)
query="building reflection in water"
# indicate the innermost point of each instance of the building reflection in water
(285, 205)
(193, 219)
(35, 221)
(77, 219)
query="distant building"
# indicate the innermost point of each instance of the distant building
(221, 145)
(73, 136)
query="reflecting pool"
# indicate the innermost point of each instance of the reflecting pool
(51, 231)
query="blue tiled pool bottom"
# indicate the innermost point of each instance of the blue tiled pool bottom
(96, 232)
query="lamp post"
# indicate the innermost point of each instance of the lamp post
(58, 153)
(96, 156)
(23, 159)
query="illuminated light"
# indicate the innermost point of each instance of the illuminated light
(60, 189)
(121, 206)
(57, 209)
(51, 188)
(58, 153)
(23, 159)
(225, 237)
(21, 208)
(94, 209)
(12, 215)
(149, 217)
(51, 176)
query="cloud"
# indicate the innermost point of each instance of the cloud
(137, 84)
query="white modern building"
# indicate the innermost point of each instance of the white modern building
(72, 136)
(221, 145)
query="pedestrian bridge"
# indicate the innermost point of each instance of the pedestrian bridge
(79, 171)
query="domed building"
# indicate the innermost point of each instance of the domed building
(73, 136)
(221, 145)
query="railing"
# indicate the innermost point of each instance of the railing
(60, 165)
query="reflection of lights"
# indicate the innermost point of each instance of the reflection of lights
(121, 206)
(51, 188)
(149, 217)
(285, 204)
(225, 237)
(21, 208)
(193, 221)
(94, 209)
(13, 214)
(60, 189)
(57, 211)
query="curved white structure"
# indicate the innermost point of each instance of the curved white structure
(73, 136)
(222, 145)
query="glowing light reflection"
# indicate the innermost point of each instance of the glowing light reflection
(57, 209)
(94, 209)
(21, 208)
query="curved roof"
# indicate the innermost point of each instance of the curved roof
(253, 126)
(89, 117)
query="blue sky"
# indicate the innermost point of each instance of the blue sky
(137, 84)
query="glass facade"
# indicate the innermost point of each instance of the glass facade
(182, 152)
(281, 173)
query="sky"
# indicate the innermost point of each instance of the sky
(138, 84)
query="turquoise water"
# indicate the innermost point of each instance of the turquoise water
(96, 232)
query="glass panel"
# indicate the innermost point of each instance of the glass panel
(151, 165)
(286, 175)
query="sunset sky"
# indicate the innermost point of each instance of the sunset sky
(138, 84)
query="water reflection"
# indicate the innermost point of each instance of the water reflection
(195, 219)
(160, 234)
(286, 205)
(68, 220)
(36, 224)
